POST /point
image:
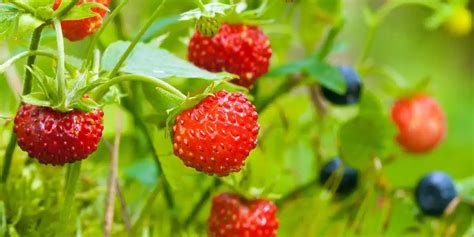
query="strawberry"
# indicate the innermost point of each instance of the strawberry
(75, 30)
(240, 49)
(217, 135)
(420, 121)
(55, 137)
(232, 215)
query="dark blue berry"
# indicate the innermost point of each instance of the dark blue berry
(353, 85)
(349, 179)
(434, 192)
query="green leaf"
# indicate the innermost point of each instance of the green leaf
(290, 68)
(366, 136)
(85, 104)
(9, 16)
(157, 27)
(465, 188)
(40, 3)
(155, 62)
(28, 23)
(143, 170)
(36, 98)
(328, 76)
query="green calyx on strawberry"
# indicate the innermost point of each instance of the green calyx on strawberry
(59, 124)
(239, 46)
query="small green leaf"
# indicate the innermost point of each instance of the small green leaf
(368, 135)
(290, 68)
(155, 62)
(465, 188)
(9, 16)
(328, 76)
(158, 27)
(36, 98)
(85, 104)
(83, 11)
(39, 3)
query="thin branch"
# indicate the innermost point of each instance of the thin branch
(112, 182)
(123, 206)
(200, 204)
(11, 73)
(318, 100)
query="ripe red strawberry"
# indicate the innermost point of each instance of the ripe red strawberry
(232, 215)
(217, 135)
(57, 138)
(75, 30)
(420, 121)
(243, 50)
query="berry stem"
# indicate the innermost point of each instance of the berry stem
(22, 55)
(101, 90)
(137, 39)
(95, 38)
(200, 204)
(35, 41)
(72, 176)
(66, 9)
(60, 71)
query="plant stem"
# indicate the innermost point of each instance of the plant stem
(101, 90)
(35, 41)
(329, 41)
(290, 83)
(135, 41)
(22, 55)
(148, 206)
(95, 38)
(65, 10)
(73, 172)
(60, 71)
(23, 6)
(295, 193)
(120, 27)
(112, 182)
(200, 204)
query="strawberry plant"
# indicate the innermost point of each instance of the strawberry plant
(236, 118)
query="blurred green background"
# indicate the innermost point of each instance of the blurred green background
(292, 143)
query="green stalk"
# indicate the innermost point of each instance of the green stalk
(101, 90)
(35, 41)
(73, 172)
(95, 38)
(60, 71)
(135, 41)
(200, 204)
(65, 10)
(22, 55)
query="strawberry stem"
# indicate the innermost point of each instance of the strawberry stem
(35, 41)
(66, 9)
(137, 39)
(60, 72)
(72, 176)
(101, 90)
(95, 38)
(22, 55)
